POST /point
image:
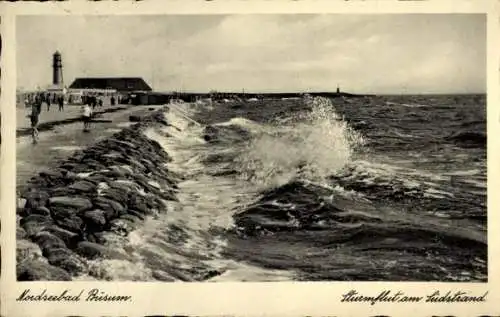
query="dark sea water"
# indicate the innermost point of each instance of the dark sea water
(385, 188)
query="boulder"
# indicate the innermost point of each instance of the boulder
(153, 202)
(63, 191)
(53, 178)
(71, 223)
(35, 199)
(138, 203)
(47, 241)
(69, 166)
(65, 259)
(61, 212)
(120, 195)
(52, 173)
(119, 172)
(113, 155)
(136, 165)
(160, 275)
(110, 207)
(72, 202)
(124, 144)
(101, 237)
(33, 224)
(70, 238)
(27, 251)
(20, 233)
(92, 251)
(132, 218)
(168, 195)
(136, 214)
(37, 270)
(125, 185)
(97, 178)
(95, 218)
(83, 186)
(44, 211)
(122, 226)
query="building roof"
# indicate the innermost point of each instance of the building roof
(118, 83)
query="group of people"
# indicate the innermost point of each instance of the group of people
(92, 100)
(36, 102)
(47, 98)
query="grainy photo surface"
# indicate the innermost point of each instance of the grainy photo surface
(303, 147)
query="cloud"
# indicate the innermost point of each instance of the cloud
(364, 53)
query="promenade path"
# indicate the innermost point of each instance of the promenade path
(63, 140)
(70, 111)
(54, 115)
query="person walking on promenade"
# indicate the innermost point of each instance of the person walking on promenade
(41, 96)
(47, 100)
(37, 103)
(94, 102)
(60, 101)
(112, 100)
(87, 117)
(34, 117)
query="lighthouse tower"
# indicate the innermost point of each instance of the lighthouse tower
(57, 74)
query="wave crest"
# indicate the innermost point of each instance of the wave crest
(317, 143)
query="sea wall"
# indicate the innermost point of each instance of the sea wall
(66, 214)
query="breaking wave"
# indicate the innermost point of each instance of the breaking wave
(310, 146)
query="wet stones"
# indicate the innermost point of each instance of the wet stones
(27, 251)
(73, 203)
(96, 179)
(91, 250)
(136, 214)
(112, 209)
(47, 241)
(83, 186)
(138, 203)
(44, 211)
(65, 259)
(120, 172)
(71, 223)
(115, 194)
(122, 226)
(95, 197)
(20, 233)
(33, 224)
(35, 199)
(95, 220)
(53, 178)
(162, 276)
(37, 270)
(126, 185)
(69, 238)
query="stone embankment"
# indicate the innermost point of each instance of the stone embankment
(67, 214)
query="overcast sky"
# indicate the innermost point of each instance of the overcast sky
(430, 53)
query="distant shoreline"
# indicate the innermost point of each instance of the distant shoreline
(299, 94)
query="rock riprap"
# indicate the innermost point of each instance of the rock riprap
(109, 188)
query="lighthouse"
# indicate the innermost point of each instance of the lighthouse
(57, 74)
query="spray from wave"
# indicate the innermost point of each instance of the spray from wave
(312, 145)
